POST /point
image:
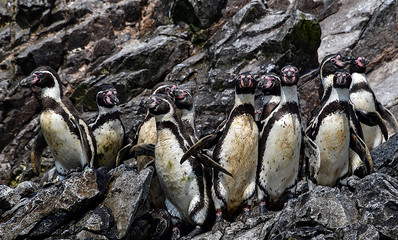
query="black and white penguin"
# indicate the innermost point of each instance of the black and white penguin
(184, 184)
(68, 136)
(236, 150)
(364, 99)
(184, 101)
(281, 143)
(332, 130)
(269, 84)
(329, 65)
(108, 128)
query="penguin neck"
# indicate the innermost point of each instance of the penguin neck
(53, 92)
(241, 99)
(339, 94)
(289, 94)
(188, 115)
(167, 117)
(271, 99)
(358, 78)
(327, 82)
(104, 110)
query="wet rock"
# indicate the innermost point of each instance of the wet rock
(127, 197)
(200, 14)
(377, 197)
(385, 157)
(50, 207)
(10, 197)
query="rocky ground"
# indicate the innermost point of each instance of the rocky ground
(134, 44)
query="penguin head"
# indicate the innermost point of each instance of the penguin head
(289, 76)
(331, 63)
(107, 96)
(245, 84)
(164, 88)
(183, 98)
(44, 77)
(358, 64)
(342, 79)
(269, 83)
(159, 104)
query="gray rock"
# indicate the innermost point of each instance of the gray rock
(126, 197)
(385, 157)
(377, 197)
(10, 197)
(50, 207)
(357, 231)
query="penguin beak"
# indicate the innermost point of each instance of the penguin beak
(113, 100)
(28, 81)
(150, 102)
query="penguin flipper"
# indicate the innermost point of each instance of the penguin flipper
(209, 162)
(387, 115)
(120, 156)
(360, 148)
(35, 155)
(203, 143)
(313, 158)
(372, 118)
(147, 149)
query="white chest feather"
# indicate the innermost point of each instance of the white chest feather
(109, 138)
(333, 140)
(178, 181)
(64, 144)
(239, 155)
(280, 161)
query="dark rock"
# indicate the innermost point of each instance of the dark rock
(357, 231)
(50, 207)
(377, 198)
(385, 157)
(48, 51)
(10, 197)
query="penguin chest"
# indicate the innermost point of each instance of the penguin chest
(147, 134)
(333, 140)
(364, 100)
(238, 153)
(62, 140)
(280, 155)
(178, 181)
(109, 138)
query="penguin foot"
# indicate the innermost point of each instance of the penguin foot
(175, 233)
(263, 208)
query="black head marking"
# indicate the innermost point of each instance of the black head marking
(45, 77)
(358, 65)
(107, 96)
(163, 88)
(269, 84)
(289, 76)
(159, 104)
(341, 79)
(183, 98)
(245, 84)
(331, 63)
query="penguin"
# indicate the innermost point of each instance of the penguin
(236, 150)
(281, 142)
(269, 84)
(70, 140)
(184, 102)
(329, 65)
(333, 132)
(363, 98)
(184, 184)
(108, 128)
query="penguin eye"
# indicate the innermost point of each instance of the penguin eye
(333, 60)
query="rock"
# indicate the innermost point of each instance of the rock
(385, 157)
(50, 207)
(127, 197)
(377, 197)
(358, 231)
(10, 197)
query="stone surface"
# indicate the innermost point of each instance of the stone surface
(201, 45)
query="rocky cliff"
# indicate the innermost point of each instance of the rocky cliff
(134, 44)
